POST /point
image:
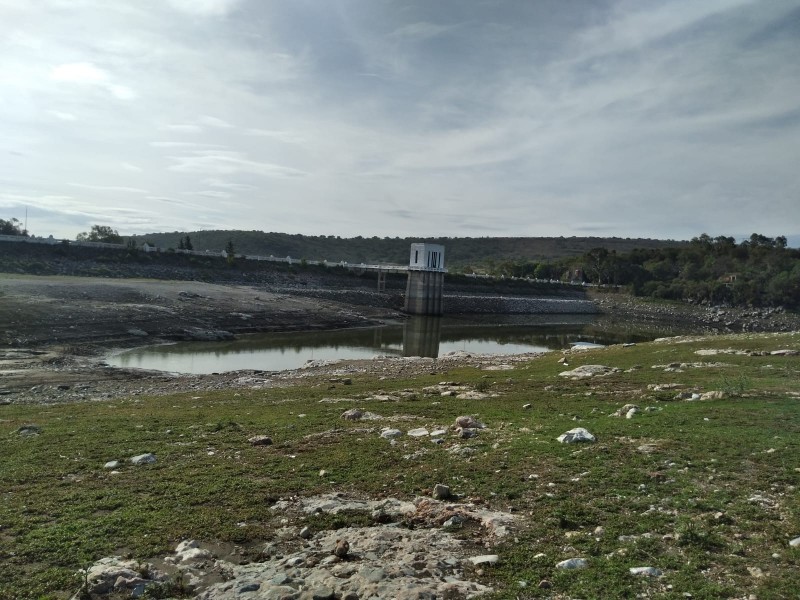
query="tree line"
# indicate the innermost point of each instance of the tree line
(759, 271)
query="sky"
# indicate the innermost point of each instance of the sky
(420, 118)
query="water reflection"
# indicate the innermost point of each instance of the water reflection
(419, 336)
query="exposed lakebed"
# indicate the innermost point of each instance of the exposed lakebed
(419, 336)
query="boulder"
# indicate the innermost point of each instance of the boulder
(573, 436)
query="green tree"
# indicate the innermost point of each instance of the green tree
(100, 233)
(187, 243)
(12, 227)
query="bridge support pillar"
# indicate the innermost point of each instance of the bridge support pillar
(424, 293)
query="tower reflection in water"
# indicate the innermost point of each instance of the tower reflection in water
(421, 336)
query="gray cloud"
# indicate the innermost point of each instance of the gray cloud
(615, 117)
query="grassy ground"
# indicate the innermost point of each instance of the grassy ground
(713, 484)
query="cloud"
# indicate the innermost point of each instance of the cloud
(110, 188)
(131, 167)
(184, 128)
(63, 116)
(78, 73)
(88, 73)
(206, 8)
(229, 163)
(229, 185)
(214, 122)
(420, 30)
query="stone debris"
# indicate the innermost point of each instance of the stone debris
(589, 371)
(784, 352)
(29, 431)
(112, 464)
(681, 367)
(579, 434)
(391, 433)
(260, 440)
(356, 414)
(624, 410)
(188, 551)
(441, 492)
(712, 395)
(380, 562)
(795, 543)
(645, 572)
(573, 563)
(143, 459)
(485, 559)
(115, 574)
(468, 422)
(342, 548)
(419, 432)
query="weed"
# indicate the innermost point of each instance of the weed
(734, 385)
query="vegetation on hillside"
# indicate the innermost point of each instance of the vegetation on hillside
(462, 254)
(760, 271)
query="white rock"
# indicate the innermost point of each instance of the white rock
(579, 434)
(419, 432)
(112, 464)
(486, 559)
(144, 459)
(573, 563)
(645, 572)
(795, 543)
(631, 413)
(391, 433)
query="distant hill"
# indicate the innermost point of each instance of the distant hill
(459, 252)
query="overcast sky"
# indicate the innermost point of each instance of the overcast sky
(631, 118)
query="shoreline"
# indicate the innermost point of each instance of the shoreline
(60, 329)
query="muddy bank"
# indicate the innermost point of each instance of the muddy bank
(55, 331)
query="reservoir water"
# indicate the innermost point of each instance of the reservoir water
(419, 336)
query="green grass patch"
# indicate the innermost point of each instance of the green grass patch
(701, 490)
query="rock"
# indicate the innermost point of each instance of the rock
(354, 414)
(645, 572)
(579, 434)
(713, 395)
(144, 459)
(418, 432)
(573, 563)
(342, 548)
(468, 422)
(441, 492)
(466, 433)
(391, 433)
(526, 406)
(624, 410)
(306, 533)
(545, 585)
(632, 413)
(29, 430)
(137, 332)
(795, 543)
(260, 440)
(486, 559)
(589, 371)
(189, 550)
(322, 593)
(112, 464)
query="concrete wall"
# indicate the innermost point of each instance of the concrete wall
(424, 293)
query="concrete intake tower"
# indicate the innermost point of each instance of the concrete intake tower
(425, 280)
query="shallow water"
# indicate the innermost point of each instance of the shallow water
(419, 336)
